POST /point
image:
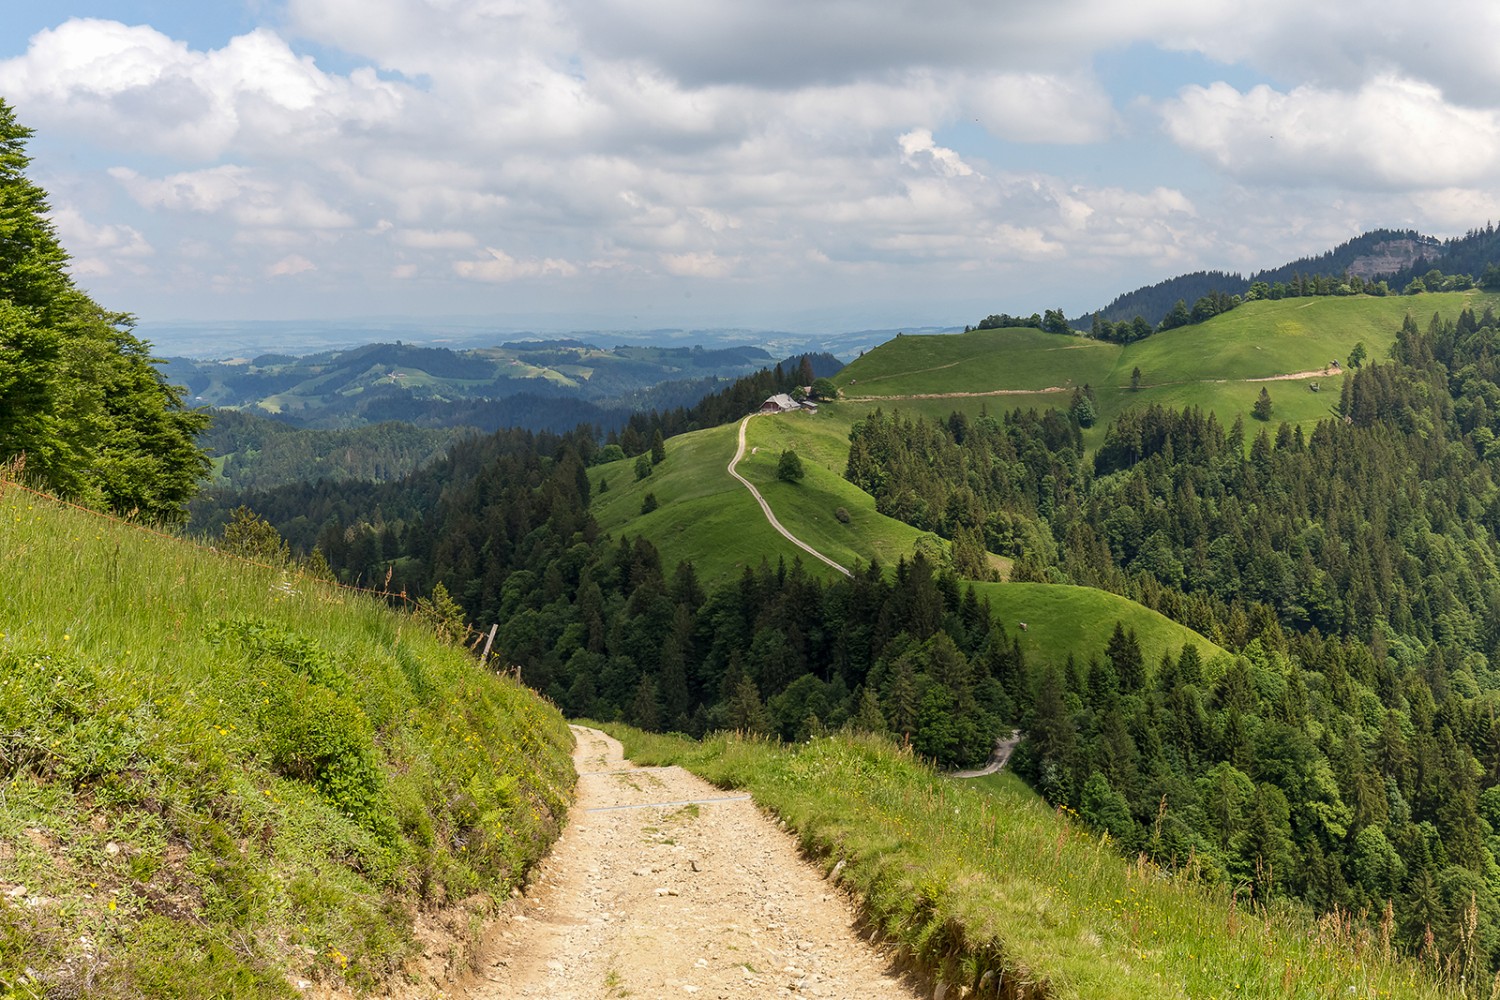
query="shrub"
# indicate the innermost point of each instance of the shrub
(316, 736)
(789, 468)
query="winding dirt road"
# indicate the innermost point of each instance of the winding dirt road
(999, 757)
(739, 453)
(664, 886)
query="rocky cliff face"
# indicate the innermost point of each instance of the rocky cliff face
(1394, 255)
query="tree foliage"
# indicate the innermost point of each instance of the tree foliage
(80, 396)
(789, 467)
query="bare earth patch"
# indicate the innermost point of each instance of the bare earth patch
(665, 886)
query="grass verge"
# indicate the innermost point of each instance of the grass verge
(986, 889)
(217, 779)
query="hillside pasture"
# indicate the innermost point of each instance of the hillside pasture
(978, 361)
(1063, 619)
(1219, 365)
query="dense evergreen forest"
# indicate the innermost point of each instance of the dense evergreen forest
(1350, 755)
(81, 400)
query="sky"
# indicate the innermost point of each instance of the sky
(778, 164)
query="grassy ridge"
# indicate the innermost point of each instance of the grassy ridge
(218, 778)
(707, 517)
(1063, 619)
(984, 887)
(1212, 365)
(978, 361)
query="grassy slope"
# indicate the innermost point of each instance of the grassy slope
(980, 361)
(1078, 620)
(214, 777)
(1208, 365)
(707, 517)
(982, 882)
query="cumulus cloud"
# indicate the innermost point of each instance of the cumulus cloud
(138, 88)
(98, 250)
(245, 195)
(917, 145)
(681, 141)
(1392, 132)
(697, 265)
(500, 266)
(290, 265)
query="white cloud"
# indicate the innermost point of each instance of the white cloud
(245, 195)
(139, 89)
(436, 239)
(291, 265)
(500, 266)
(946, 161)
(697, 265)
(1393, 132)
(635, 144)
(99, 250)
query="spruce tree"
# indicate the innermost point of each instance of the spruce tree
(80, 396)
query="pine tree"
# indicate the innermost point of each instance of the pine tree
(1263, 407)
(868, 717)
(80, 396)
(745, 712)
(658, 448)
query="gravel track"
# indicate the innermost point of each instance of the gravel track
(664, 886)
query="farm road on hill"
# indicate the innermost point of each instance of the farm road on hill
(665, 886)
(766, 508)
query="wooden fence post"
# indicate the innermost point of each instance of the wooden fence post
(484, 657)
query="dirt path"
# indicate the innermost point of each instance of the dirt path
(998, 757)
(739, 453)
(956, 395)
(664, 886)
(1294, 376)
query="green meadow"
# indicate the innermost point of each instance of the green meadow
(1216, 365)
(706, 516)
(217, 777)
(1062, 619)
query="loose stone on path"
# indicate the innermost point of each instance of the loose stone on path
(700, 897)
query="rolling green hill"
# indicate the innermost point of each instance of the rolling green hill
(1061, 619)
(1218, 365)
(217, 778)
(705, 516)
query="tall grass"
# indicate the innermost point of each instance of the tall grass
(985, 888)
(217, 777)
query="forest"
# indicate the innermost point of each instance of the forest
(1350, 754)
